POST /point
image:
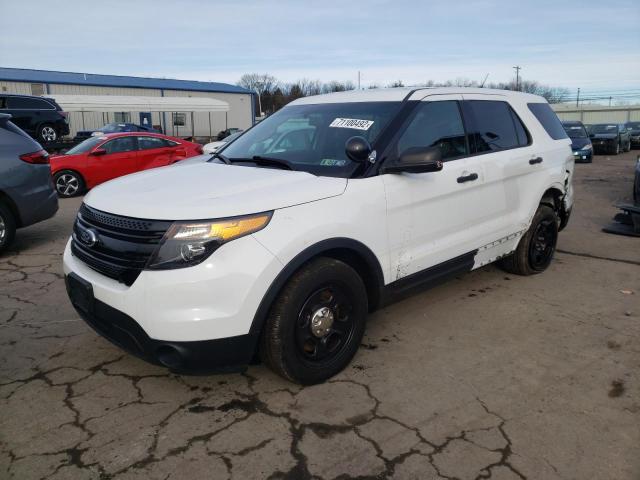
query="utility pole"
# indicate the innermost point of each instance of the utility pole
(358, 79)
(578, 98)
(517, 68)
(609, 101)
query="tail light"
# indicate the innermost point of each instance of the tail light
(39, 157)
(64, 114)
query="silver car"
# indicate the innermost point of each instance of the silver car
(27, 195)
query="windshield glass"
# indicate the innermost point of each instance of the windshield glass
(604, 128)
(232, 137)
(633, 126)
(113, 128)
(312, 138)
(575, 131)
(85, 146)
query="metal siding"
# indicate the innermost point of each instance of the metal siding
(15, 87)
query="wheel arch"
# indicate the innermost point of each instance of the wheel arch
(8, 201)
(553, 197)
(352, 252)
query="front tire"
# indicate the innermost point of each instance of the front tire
(7, 227)
(68, 183)
(536, 248)
(47, 134)
(316, 324)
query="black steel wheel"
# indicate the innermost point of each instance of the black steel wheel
(537, 246)
(316, 324)
(543, 244)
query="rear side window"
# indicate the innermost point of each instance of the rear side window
(492, 125)
(436, 124)
(548, 119)
(147, 143)
(120, 145)
(27, 103)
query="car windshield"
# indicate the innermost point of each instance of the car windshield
(312, 138)
(113, 127)
(604, 128)
(575, 131)
(231, 137)
(635, 126)
(85, 146)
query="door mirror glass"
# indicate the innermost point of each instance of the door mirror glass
(357, 149)
(417, 160)
(99, 151)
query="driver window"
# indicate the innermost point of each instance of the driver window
(436, 124)
(120, 145)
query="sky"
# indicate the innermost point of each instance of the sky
(594, 45)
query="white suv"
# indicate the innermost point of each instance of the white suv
(282, 243)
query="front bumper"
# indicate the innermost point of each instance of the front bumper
(192, 310)
(221, 355)
(583, 155)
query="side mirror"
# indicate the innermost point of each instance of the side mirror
(357, 149)
(99, 151)
(417, 160)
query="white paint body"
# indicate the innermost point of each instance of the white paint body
(409, 221)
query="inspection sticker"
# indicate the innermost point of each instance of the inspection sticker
(352, 123)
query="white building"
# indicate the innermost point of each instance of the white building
(240, 112)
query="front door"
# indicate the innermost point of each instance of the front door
(432, 217)
(120, 159)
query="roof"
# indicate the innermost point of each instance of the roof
(413, 93)
(73, 78)
(134, 103)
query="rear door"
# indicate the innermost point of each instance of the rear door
(121, 158)
(503, 151)
(154, 152)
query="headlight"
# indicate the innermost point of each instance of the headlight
(587, 147)
(186, 244)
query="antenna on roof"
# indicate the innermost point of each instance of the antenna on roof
(483, 81)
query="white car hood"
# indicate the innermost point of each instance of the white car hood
(209, 190)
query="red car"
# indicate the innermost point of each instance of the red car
(109, 156)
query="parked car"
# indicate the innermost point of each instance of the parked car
(113, 128)
(580, 141)
(26, 191)
(197, 267)
(229, 131)
(213, 147)
(113, 155)
(40, 117)
(611, 138)
(634, 133)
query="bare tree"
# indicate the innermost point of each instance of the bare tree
(396, 84)
(258, 82)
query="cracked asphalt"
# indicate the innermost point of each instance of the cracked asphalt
(488, 376)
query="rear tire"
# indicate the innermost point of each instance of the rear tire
(7, 227)
(536, 248)
(316, 324)
(68, 183)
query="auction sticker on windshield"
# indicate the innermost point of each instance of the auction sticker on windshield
(352, 123)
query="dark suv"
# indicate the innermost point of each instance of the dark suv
(27, 195)
(634, 131)
(40, 117)
(611, 138)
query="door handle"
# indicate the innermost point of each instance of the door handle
(533, 161)
(468, 178)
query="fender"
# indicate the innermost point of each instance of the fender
(370, 259)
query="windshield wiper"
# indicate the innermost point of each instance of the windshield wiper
(221, 157)
(266, 161)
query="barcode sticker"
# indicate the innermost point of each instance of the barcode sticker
(352, 123)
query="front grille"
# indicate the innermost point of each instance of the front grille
(123, 246)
